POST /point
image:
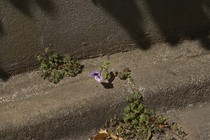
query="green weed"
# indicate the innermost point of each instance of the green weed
(125, 74)
(140, 123)
(55, 67)
(105, 69)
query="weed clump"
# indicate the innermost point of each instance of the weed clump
(140, 123)
(55, 67)
(125, 74)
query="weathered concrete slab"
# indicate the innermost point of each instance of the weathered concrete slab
(194, 119)
(168, 77)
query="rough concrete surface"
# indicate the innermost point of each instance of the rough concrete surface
(169, 77)
(194, 119)
(88, 28)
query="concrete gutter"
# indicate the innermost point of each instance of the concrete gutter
(169, 77)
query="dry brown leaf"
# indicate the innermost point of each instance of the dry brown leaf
(103, 131)
(102, 135)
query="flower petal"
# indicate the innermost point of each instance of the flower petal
(98, 79)
(95, 73)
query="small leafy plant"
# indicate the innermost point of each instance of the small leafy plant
(124, 74)
(140, 123)
(105, 69)
(55, 67)
(104, 75)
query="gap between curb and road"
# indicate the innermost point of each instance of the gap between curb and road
(169, 78)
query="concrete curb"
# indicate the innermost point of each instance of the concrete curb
(31, 108)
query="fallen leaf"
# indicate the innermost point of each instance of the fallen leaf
(102, 135)
(103, 131)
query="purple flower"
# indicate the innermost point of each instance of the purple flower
(97, 75)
